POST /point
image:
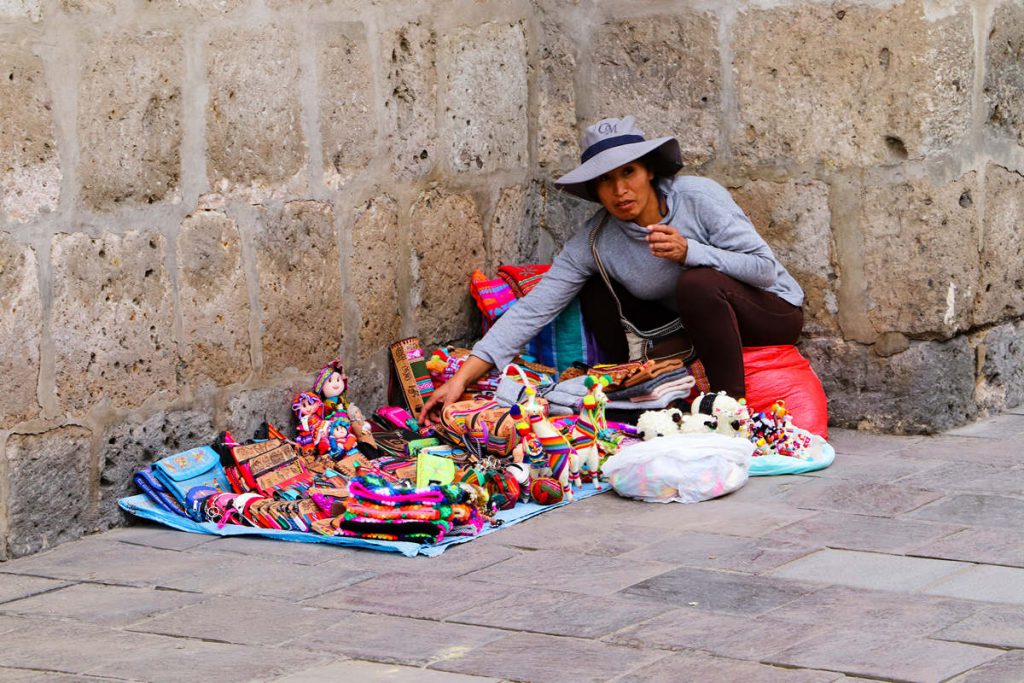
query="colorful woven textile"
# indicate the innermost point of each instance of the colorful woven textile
(493, 297)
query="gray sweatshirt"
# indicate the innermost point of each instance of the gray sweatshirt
(718, 235)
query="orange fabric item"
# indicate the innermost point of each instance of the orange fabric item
(774, 373)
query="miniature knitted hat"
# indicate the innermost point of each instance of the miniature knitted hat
(610, 143)
(327, 371)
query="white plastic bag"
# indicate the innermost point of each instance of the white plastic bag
(687, 468)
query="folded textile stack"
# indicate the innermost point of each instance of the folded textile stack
(383, 510)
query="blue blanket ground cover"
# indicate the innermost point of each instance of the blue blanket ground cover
(142, 506)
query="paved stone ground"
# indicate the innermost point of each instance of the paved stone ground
(902, 562)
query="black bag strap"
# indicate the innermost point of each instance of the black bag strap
(662, 331)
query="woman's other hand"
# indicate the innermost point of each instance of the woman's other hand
(665, 242)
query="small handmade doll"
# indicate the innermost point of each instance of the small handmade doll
(331, 385)
(309, 411)
(340, 441)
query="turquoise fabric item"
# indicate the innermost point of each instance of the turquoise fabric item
(563, 341)
(768, 465)
(142, 506)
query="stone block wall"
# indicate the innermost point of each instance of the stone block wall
(201, 201)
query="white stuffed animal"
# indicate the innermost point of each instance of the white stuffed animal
(716, 413)
(655, 423)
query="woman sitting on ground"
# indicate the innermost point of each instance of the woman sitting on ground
(673, 248)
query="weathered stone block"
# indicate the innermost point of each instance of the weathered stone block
(860, 85)
(373, 274)
(920, 255)
(557, 213)
(129, 446)
(448, 239)
(202, 7)
(21, 325)
(300, 286)
(50, 494)
(409, 56)
(348, 117)
(511, 235)
(1000, 353)
(130, 119)
(214, 300)
(927, 388)
(1002, 264)
(18, 9)
(794, 219)
(88, 6)
(486, 125)
(249, 409)
(557, 138)
(253, 121)
(29, 167)
(1004, 71)
(113, 320)
(664, 70)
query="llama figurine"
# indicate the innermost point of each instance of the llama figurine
(562, 457)
(587, 426)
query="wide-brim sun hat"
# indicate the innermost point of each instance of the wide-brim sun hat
(610, 143)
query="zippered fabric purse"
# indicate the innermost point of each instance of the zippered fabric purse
(146, 480)
(188, 469)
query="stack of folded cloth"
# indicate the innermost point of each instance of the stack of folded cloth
(379, 509)
(650, 385)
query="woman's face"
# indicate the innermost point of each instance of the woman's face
(626, 192)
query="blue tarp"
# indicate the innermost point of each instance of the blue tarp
(142, 506)
(766, 465)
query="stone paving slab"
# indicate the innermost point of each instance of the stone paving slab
(719, 634)
(244, 622)
(549, 659)
(874, 611)
(8, 675)
(719, 516)
(991, 584)
(395, 640)
(983, 545)
(852, 442)
(251, 577)
(297, 553)
(467, 557)
(1002, 426)
(14, 587)
(970, 477)
(95, 559)
(869, 570)
(587, 574)
(1000, 626)
(875, 468)
(881, 656)
(579, 535)
(1004, 669)
(860, 497)
(716, 551)
(412, 595)
(862, 532)
(561, 614)
(696, 666)
(152, 535)
(364, 672)
(714, 591)
(100, 604)
(963, 449)
(976, 510)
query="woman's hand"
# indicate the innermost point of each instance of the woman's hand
(666, 242)
(449, 392)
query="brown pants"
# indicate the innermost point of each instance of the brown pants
(720, 314)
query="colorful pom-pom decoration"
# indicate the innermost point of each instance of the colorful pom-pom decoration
(546, 491)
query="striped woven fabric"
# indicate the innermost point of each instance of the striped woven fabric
(493, 297)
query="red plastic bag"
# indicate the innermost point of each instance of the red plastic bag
(774, 373)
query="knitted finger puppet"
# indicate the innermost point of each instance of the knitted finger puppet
(533, 455)
(588, 424)
(562, 457)
(309, 411)
(717, 413)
